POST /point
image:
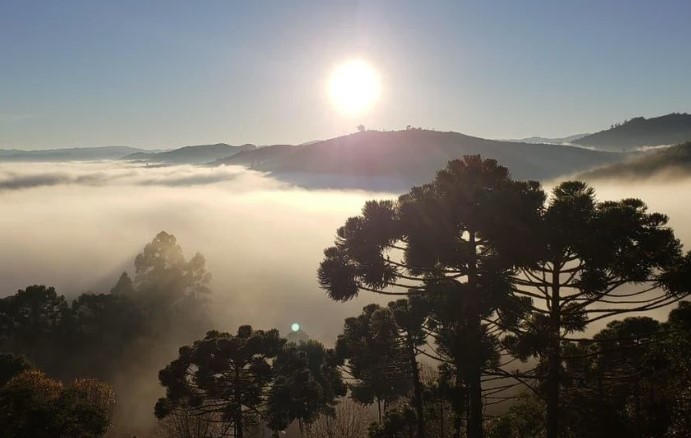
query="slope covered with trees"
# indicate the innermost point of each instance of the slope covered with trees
(668, 163)
(115, 335)
(190, 154)
(638, 132)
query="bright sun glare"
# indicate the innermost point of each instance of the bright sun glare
(354, 87)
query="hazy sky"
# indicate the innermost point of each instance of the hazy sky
(170, 73)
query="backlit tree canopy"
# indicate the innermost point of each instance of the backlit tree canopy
(455, 240)
(494, 257)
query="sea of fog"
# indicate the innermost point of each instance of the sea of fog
(77, 226)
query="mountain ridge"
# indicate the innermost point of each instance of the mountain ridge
(68, 154)
(639, 132)
(669, 163)
(391, 160)
(199, 154)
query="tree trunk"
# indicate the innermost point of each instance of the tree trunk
(441, 414)
(554, 357)
(474, 377)
(417, 389)
(637, 404)
(475, 429)
(459, 404)
(238, 402)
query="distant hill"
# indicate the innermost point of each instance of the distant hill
(561, 140)
(258, 157)
(640, 132)
(191, 154)
(399, 159)
(68, 154)
(667, 163)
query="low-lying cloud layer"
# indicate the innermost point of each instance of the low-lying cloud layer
(17, 176)
(77, 226)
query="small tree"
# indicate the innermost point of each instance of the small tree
(349, 420)
(375, 357)
(306, 385)
(222, 374)
(410, 316)
(185, 423)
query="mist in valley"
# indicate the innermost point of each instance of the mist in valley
(262, 240)
(78, 226)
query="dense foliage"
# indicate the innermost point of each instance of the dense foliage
(504, 275)
(32, 405)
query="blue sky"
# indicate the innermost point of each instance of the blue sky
(160, 74)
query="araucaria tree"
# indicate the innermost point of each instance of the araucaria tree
(595, 260)
(379, 349)
(223, 374)
(253, 379)
(455, 241)
(306, 384)
(374, 358)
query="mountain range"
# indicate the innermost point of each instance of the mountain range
(68, 154)
(396, 160)
(570, 140)
(190, 154)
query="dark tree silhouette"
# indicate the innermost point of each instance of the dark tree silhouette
(12, 365)
(102, 329)
(524, 419)
(307, 383)
(597, 260)
(164, 276)
(397, 423)
(222, 373)
(678, 346)
(410, 316)
(456, 240)
(34, 406)
(124, 286)
(375, 357)
(32, 322)
(631, 379)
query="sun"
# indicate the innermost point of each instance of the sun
(354, 87)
